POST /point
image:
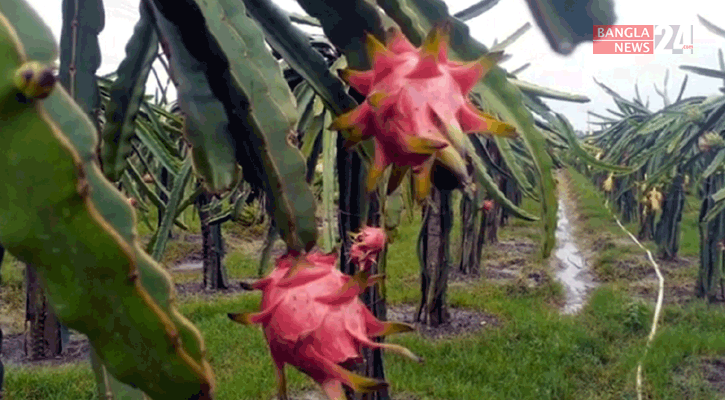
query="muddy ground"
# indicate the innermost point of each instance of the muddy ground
(13, 351)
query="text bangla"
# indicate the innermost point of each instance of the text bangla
(624, 32)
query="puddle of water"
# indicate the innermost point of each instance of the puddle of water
(574, 270)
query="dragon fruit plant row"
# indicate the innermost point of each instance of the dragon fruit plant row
(238, 110)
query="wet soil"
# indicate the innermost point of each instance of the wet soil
(462, 322)
(505, 260)
(192, 246)
(197, 289)
(192, 261)
(714, 372)
(637, 271)
(676, 289)
(456, 276)
(317, 395)
(13, 352)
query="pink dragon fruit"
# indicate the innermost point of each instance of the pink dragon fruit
(369, 242)
(417, 109)
(488, 205)
(314, 321)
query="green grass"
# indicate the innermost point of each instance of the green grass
(689, 228)
(590, 208)
(535, 353)
(600, 220)
(12, 295)
(617, 257)
(50, 383)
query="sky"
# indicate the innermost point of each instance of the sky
(573, 73)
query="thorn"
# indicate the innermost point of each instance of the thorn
(375, 48)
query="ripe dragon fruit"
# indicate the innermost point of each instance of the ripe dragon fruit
(314, 321)
(369, 242)
(417, 109)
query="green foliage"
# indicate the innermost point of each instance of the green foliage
(711, 242)
(329, 140)
(61, 215)
(530, 88)
(161, 236)
(637, 317)
(297, 51)
(126, 96)
(258, 101)
(206, 123)
(533, 355)
(514, 165)
(80, 53)
(346, 25)
(239, 111)
(416, 18)
(109, 388)
(667, 232)
(563, 24)
(580, 152)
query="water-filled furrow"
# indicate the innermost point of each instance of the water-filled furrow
(573, 271)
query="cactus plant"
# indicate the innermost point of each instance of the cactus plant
(126, 95)
(62, 216)
(661, 150)
(239, 111)
(712, 233)
(434, 258)
(234, 87)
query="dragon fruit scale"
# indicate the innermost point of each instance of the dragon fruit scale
(417, 108)
(313, 320)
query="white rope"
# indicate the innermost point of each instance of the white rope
(658, 306)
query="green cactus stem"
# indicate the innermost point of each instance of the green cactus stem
(667, 235)
(62, 216)
(711, 242)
